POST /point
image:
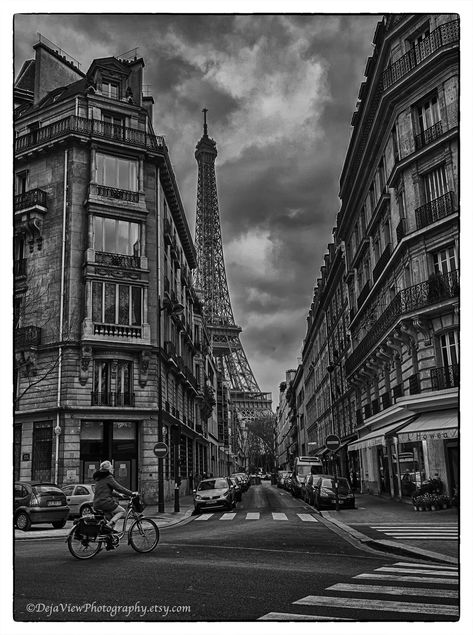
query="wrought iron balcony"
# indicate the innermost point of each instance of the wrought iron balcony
(383, 259)
(89, 128)
(439, 287)
(27, 336)
(435, 210)
(114, 192)
(429, 135)
(444, 35)
(445, 377)
(364, 293)
(19, 267)
(117, 330)
(114, 399)
(32, 198)
(117, 260)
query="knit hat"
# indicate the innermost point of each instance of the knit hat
(105, 466)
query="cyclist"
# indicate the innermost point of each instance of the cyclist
(103, 497)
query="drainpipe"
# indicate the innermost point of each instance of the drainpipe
(57, 429)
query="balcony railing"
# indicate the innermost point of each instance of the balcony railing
(114, 192)
(364, 293)
(30, 199)
(383, 259)
(445, 34)
(116, 330)
(435, 210)
(429, 135)
(87, 127)
(19, 267)
(438, 288)
(117, 260)
(27, 336)
(445, 377)
(114, 399)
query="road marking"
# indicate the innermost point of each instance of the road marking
(297, 617)
(405, 578)
(423, 536)
(279, 516)
(227, 516)
(307, 518)
(393, 590)
(426, 566)
(204, 516)
(408, 526)
(379, 605)
(404, 570)
(253, 516)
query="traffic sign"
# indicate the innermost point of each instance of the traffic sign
(161, 450)
(332, 442)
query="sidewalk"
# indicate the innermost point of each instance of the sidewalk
(376, 511)
(163, 520)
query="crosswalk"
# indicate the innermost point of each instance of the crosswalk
(431, 592)
(416, 531)
(277, 516)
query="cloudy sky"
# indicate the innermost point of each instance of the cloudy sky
(280, 91)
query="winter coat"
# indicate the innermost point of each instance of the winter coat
(105, 485)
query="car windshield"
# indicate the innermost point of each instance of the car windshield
(47, 489)
(218, 483)
(343, 485)
(303, 470)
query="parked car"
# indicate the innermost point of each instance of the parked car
(36, 503)
(214, 493)
(79, 497)
(245, 479)
(287, 481)
(324, 492)
(281, 476)
(237, 487)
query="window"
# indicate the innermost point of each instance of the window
(435, 184)
(113, 382)
(114, 125)
(116, 236)
(117, 172)
(449, 348)
(110, 89)
(116, 303)
(445, 260)
(21, 182)
(428, 113)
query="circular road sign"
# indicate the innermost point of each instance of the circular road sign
(332, 442)
(160, 450)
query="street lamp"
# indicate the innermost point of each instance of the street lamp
(174, 308)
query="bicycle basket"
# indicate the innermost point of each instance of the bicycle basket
(138, 504)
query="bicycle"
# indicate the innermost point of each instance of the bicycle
(90, 533)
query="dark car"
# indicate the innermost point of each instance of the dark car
(37, 502)
(214, 493)
(325, 496)
(281, 476)
(245, 480)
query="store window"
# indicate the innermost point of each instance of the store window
(116, 303)
(116, 236)
(117, 172)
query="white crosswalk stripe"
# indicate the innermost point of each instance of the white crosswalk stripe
(227, 517)
(279, 516)
(307, 518)
(204, 516)
(411, 531)
(252, 516)
(361, 597)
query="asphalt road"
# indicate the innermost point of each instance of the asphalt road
(272, 558)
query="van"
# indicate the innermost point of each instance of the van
(304, 465)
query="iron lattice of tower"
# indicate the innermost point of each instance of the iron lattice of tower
(211, 280)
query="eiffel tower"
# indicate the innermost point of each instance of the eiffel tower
(247, 400)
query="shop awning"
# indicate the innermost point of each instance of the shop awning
(378, 437)
(441, 424)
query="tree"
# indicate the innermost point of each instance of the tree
(261, 442)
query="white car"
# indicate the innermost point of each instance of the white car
(79, 497)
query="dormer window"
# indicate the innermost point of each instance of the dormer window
(110, 89)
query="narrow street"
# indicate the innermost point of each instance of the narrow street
(272, 558)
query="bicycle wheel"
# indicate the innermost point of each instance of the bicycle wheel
(143, 535)
(83, 549)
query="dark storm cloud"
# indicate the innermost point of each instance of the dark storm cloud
(281, 91)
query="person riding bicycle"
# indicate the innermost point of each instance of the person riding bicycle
(103, 496)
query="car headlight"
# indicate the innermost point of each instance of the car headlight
(198, 497)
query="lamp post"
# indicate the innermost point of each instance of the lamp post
(174, 309)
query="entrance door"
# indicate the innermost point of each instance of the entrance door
(42, 451)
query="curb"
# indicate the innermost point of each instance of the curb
(389, 546)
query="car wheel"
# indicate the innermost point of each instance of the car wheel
(86, 510)
(22, 521)
(59, 524)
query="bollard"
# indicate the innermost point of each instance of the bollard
(176, 498)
